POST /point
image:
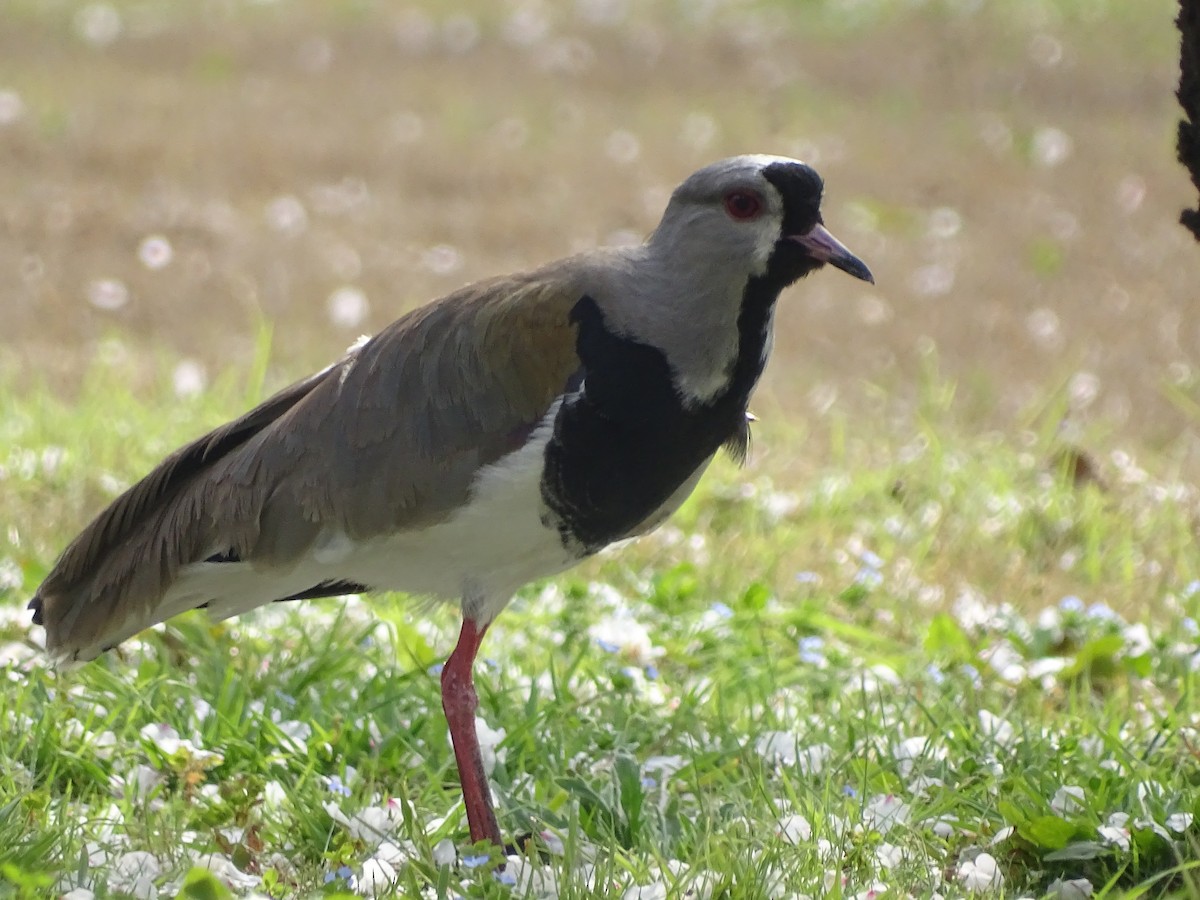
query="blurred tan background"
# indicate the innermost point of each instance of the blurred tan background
(171, 173)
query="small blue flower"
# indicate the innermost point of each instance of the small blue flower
(935, 674)
(506, 877)
(722, 610)
(810, 650)
(648, 783)
(868, 577)
(436, 669)
(1192, 589)
(1070, 603)
(345, 873)
(474, 862)
(808, 578)
(286, 698)
(337, 786)
(871, 560)
(652, 671)
(607, 646)
(848, 791)
(1102, 612)
(1190, 626)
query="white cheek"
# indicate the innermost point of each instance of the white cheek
(766, 234)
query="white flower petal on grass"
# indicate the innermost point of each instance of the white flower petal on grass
(444, 853)
(786, 748)
(980, 873)
(914, 750)
(1180, 822)
(223, 868)
(134, 874)
(107, 293)
(274, 795)
(347, 307)
(998, 729)
(78, 893)
(1115, 835)
(1067, 799)
(399, 854)
(489, 744)
(889, 856)
(529, 880)
(295, 734)
(885, 811)
(627, 637)
(1074, 889)
(1137, 640)
(370, 825)
(376, 879)
(1002, 835)
(795, 829)
(189, 380)
(12, 107)
(155, 251)
(167, 740)
(138, 783)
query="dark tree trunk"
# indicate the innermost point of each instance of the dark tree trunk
(1188, 143)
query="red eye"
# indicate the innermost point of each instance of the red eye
(743, 206)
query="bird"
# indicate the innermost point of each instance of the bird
(493, 437)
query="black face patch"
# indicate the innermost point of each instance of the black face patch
(801, 189)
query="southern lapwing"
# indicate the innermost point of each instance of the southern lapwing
(495, 436)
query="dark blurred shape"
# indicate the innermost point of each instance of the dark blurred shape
(1188, 143)
(1079, 467)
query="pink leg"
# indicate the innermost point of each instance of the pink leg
(460, 702)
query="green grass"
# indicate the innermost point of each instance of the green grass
(865, 680)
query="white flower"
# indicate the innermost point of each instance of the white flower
(1137, 640)
(910, 752)
(795, 829)
(295, 734)
(996, 728)
(377, 878)
(274, 795)
(138, 783)
(624, 635)
(1180, 822)
(1067, 799)
(167, 740)
(371, 825)
(980, 873)
(444, 853)
(1116, 831)
(885, 811)
(489, 741)
(134, 874)
(889, 856)
(1075, 889)
(783, 747)
(228, 873)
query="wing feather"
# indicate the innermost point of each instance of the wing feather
(391, 437)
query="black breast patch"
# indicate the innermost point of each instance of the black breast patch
(624, 443)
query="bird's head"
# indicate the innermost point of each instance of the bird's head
(759, 213)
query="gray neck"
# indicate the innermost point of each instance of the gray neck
(685, 303)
